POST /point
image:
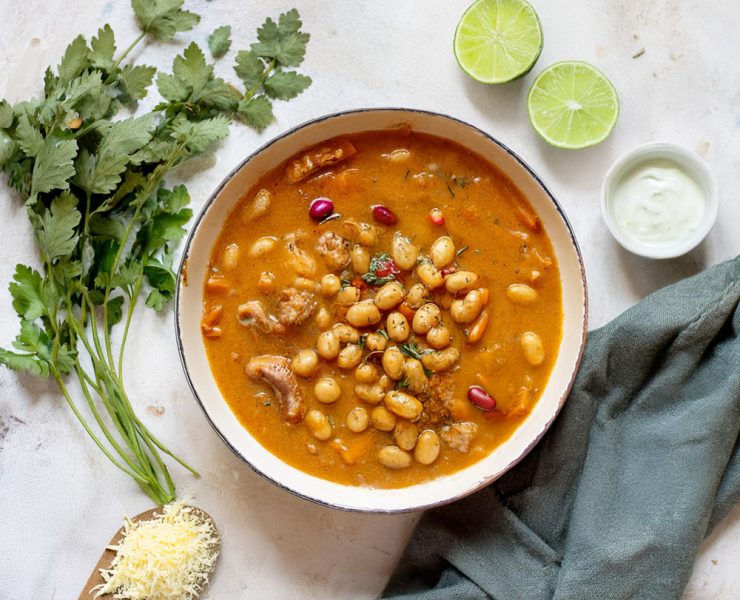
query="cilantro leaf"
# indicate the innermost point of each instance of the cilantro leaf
(163, 18)
(7, 149)
(115, 310)
(56, 232)
(24, 362)
(163, 280)
(54, 165)
(102, 49)
(283, 40)
(172, 88)
(27, 293)
(285, 85)
(249, 68)
(219, 41)
(257, 112)
(191, 68)
(196, 136)
(29, 138)
(74, 60)
(136, 79)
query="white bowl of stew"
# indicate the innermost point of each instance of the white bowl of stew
(346, 286)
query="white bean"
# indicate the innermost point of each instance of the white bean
(442, 251)
(375, 342)
(405, 434)
(417, 378)
(467, 309)
(404, 405)
(383, 419)
(230, 257)
(305, 363)
(318, 424)
(357, 419)
(323, 319)
(418, 296)
(397, 327)
(390, 295)
(360, 259)
(427, 447)
(520, 293)
(327, 390)
(348, 296)
(330, 285)
(439, 336)
(345, 333)
(363, 314)
(366, 373)
(393, 363)
(440, 360)
(534, 351)
(461, 281)
(429, 275)
(262, 246)
(327, 345)
(393, 457)
(370, 393)
(349, 357)
(404, 253)
(426, 317)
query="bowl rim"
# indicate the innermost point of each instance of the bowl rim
(182, 267)
(632, 158)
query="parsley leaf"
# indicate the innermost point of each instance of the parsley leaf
(198, 135)
(219, 41)
(6, 114)
(412, 349)
(56, 232)
(282, 41)
(136, 79)
(285, 85)
(29, 138)
(54, 165)
(257, 112)
(249, 68)
(26, 292)
(102, 49)
(74, 60)
(163, 18)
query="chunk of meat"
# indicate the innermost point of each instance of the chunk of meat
(257, 207)
(334, 249)
(317, 158)
(437, 401)
(295, 306)
(252, 314)
(458, 436)
(275, 371)
(300, 261)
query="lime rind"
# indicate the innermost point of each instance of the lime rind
(573, 105)
(497, 41)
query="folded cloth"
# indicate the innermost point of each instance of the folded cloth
(617, 497)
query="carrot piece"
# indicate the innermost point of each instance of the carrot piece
(461, 409)
(213, 315)
(217, 285)
(353, 450)
(531, 220)
(485, 295)
(478, 329)
(406, 311)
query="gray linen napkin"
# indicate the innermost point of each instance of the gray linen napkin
(614, 501)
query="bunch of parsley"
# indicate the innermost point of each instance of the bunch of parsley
(105, 223)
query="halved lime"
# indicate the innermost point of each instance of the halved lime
(498, 40)
(572, 105)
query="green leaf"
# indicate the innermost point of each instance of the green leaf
(218, 94)
(191, 68)
(172, 88)
(29, 363)
(257, 112)
(219, 41)
(285, 85)
(115, 310)
(56, 233)
(26, 291)
(54, 165)
(6, 114)
(282, 41)
(101, 173)
(66, 359)
(157, 300)
(128, 274)
(163, 18)
(102, 49)
(249, 68)
(173, 200)
(74, 60)
(166, 227)
(163, 281)
(136, 79)
(198, 135)
(7, 149)
(29, 138)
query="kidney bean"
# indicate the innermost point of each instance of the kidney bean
(481, 398)
(320, 208)
(384, 215)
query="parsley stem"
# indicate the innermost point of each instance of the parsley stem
(124, 54)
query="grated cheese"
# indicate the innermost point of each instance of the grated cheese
(169, 557)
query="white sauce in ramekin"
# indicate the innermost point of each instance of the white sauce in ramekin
(658, 203)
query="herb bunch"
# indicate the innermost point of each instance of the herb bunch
(105, 223)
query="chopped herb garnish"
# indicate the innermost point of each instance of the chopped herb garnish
(461, 250)
(404, 383)
(412, 349)
(406, 176)
(363, 340)
(460, 180)
(382, 270)
(267, 403)
(383, 333)
(449, 189)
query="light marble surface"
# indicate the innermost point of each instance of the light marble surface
(60, 500)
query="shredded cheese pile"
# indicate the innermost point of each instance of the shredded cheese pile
(169, 557)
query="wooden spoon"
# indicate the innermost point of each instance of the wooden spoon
(107, 557)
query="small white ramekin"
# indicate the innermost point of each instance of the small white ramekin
(693, 165)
